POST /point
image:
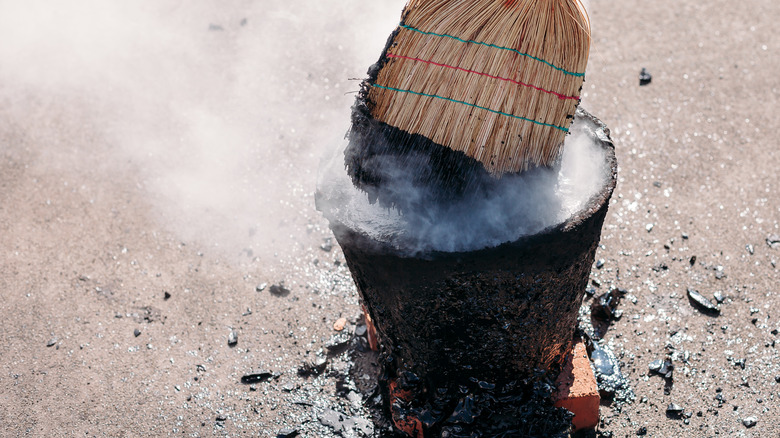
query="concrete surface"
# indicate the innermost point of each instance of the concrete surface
(165, 147)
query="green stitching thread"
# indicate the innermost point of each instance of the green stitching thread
(491, 45)
(471, 104)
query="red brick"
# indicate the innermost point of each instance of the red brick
(577, 389)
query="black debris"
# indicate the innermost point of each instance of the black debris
(693, 260)
(287, 432)
(674, 410)
(702, 303)
(645, 77)
(605, 306)
(642, 431)
(166, 296)
(278, 290)
(611, 383)
(664, 367)
(257, 377)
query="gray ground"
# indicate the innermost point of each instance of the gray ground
(167, 148)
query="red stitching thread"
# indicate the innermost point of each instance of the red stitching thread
(560, 96)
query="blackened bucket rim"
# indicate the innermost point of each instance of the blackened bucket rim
(592, 206)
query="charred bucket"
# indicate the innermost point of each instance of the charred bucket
(492, 315)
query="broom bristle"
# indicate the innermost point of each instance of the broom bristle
(498, 80)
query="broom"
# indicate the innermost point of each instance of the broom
(467, 91)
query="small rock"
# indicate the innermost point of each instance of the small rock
(674, 410)
(750, 422)
(51, 342)
(642, 431)
(287, 432)
(718, 297)
(693, 260)
(215, 27)
(750, 249)
(702, 303)
(361, 330)
(777, 378)
(335, 420)
(662, 367)
(649, 227)
(137, 333)
(221, 418)
(645, 77)
(338, 343)
(328, 245)
(340, 324)
(243, 22)
(314, 368)
(261, 287)
(166, 296)
(232, 338)
(600, 263)
(773, 240)
(278, 290)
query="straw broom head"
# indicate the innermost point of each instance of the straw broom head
(498, 80)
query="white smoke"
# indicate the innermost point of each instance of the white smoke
(220, 110)
(519, 205)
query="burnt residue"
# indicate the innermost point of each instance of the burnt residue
(475, 409)
(613, 385)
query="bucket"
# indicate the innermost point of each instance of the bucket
(493, 315)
